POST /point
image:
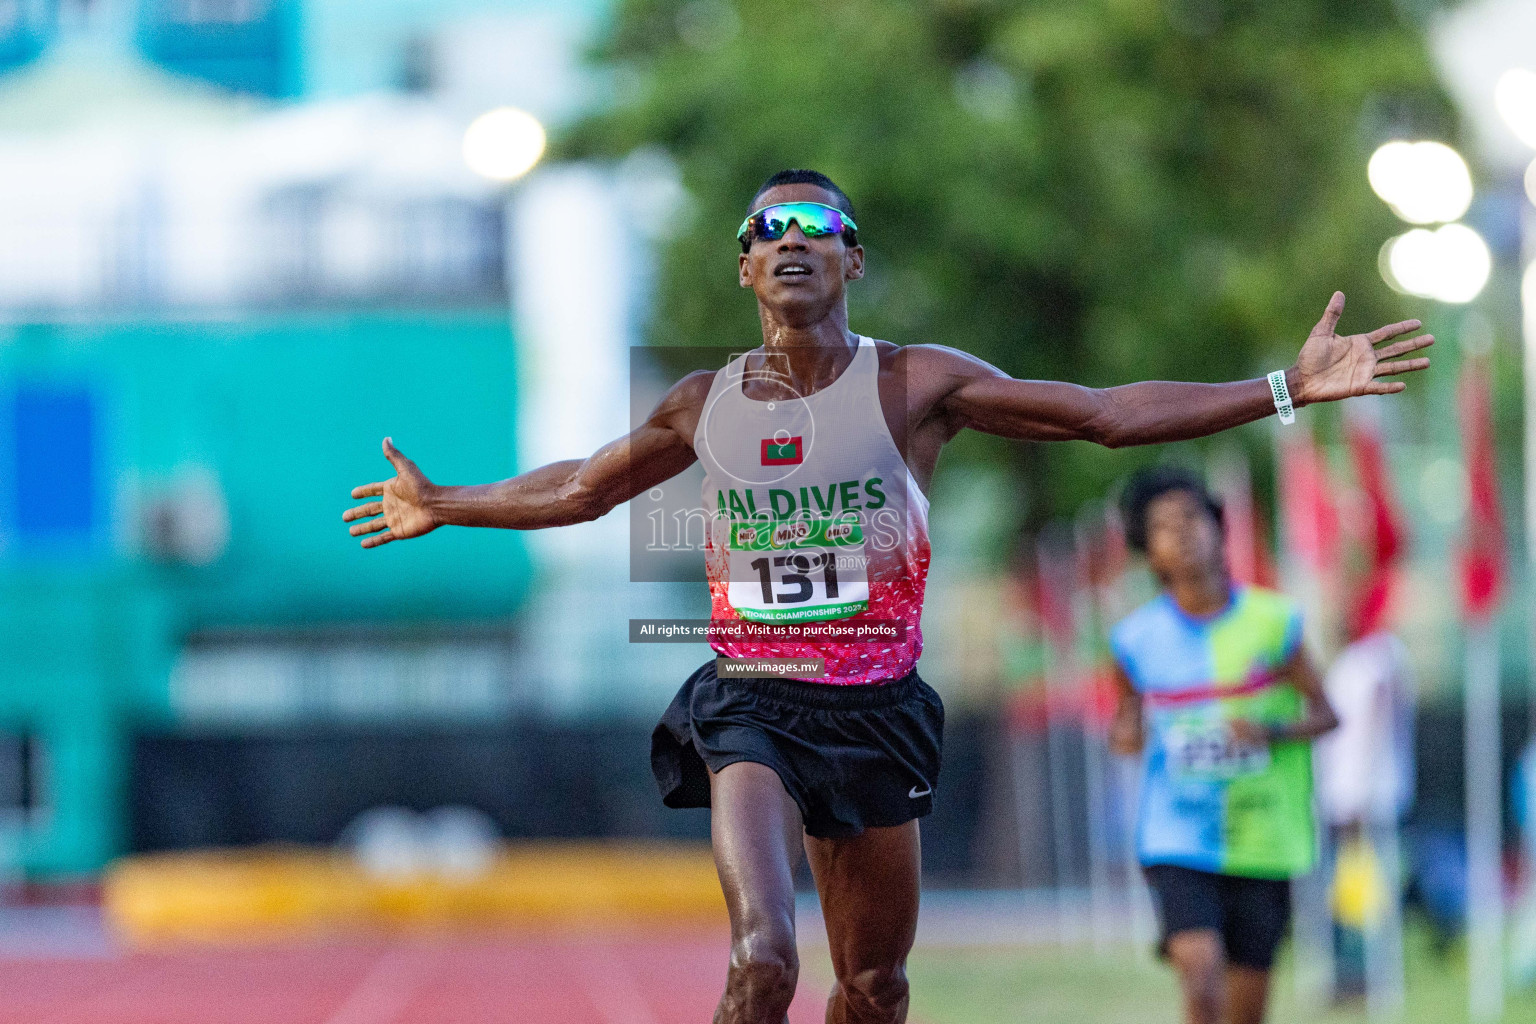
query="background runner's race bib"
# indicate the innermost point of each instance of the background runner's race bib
(798, 570)
(1206, 748)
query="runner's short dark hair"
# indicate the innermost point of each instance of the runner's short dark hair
(805, 176)
(1150, 484)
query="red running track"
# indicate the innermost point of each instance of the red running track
(452, 979)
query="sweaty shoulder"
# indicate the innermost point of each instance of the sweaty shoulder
(680, 408)
(929, 374)
(688, 393)
(695, 385)
(933, 361)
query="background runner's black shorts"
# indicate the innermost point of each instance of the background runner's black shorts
(1250, 913)
(852, 757)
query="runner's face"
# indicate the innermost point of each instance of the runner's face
(1182, 536)
(800, 279)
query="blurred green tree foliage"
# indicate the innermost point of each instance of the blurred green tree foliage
(1098, 191)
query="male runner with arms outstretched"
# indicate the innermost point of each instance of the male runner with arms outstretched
(824, 420)
(1215, 684)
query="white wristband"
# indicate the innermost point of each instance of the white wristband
(1282, 395)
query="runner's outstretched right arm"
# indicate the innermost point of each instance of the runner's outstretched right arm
(559, 494)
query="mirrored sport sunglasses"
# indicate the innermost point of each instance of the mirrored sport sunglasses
(815, 220)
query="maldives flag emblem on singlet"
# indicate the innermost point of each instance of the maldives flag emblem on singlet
(782, 453)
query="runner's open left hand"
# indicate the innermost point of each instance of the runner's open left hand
(1331, 367)
(402, 513)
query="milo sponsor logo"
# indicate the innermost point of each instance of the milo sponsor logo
(791, 533)
(841, 533)
(799, 532)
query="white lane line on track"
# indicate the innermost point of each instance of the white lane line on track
(612, 987)
(384, 991)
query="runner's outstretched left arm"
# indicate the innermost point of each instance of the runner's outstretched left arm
(1329, 367)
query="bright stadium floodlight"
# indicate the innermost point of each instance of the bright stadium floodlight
(1423, 182)
(1408, 262)
(503, 144)
(1515, 96)
(1451, 263)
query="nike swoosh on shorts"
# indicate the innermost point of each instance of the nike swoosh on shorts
(914, 794)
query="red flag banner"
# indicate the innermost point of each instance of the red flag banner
(1307, 504)
(1372, 597)
(1249, 559)
(1482, 550)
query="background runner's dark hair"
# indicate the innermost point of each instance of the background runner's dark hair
(805, 176)
(1149, 485)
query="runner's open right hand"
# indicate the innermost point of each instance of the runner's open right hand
(402, 513)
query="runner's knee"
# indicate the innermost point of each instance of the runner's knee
(765, 966)
(1200, 961)
(1197, 953)
(876, 988)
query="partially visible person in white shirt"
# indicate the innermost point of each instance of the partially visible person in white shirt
(1365, 783)
(1365, 766)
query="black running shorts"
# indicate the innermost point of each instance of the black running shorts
(852, 757)
(1250, 914)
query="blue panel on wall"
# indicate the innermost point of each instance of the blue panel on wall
(54, 497)
(26, 26)
(244, 45)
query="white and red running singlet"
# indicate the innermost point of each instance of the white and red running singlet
(815, 519)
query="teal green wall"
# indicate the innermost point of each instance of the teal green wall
(288, 412)
(351, 47)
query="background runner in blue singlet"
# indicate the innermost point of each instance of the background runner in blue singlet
(1219, 694)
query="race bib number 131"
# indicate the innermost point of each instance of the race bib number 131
(798, 570)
